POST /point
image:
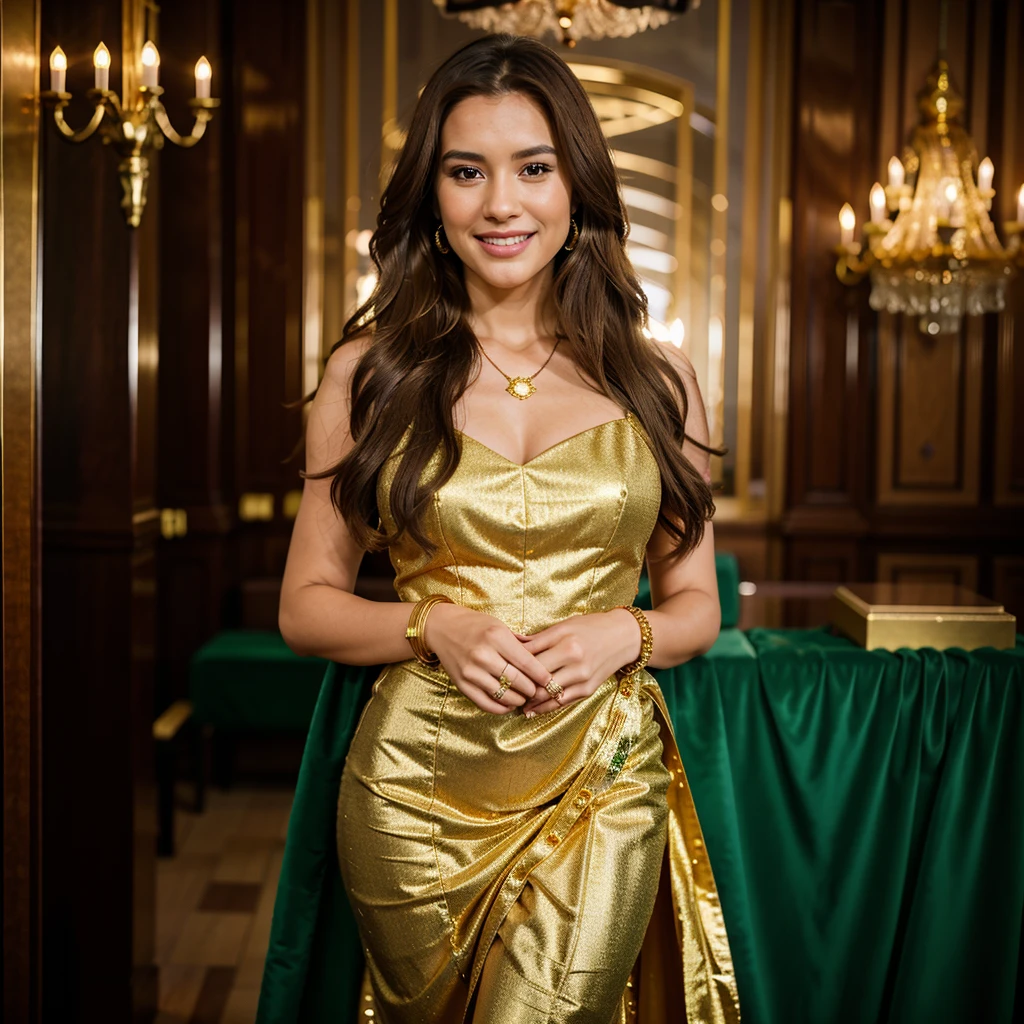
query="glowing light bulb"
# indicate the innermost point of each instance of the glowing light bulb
(1020, 205)
(101, 66)
(847, 223)
(58, 69)
(150, 65)
(986, 172)
(677, 332)
(951, 192)
(877, 203)
(203, 75)
(896, 174)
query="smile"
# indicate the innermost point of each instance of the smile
(508, 245)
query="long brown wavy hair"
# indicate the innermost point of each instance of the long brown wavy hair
(423, 353)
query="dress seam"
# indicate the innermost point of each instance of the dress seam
(448, 548)
(450, 923)
(604, 551)
(526, 527)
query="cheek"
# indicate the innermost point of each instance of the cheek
(457, 205)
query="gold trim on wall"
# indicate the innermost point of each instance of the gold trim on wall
(19, 411)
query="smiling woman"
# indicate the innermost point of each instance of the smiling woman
(514, 831)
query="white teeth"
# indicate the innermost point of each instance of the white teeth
(514, 240)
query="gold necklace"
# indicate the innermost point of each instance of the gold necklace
(519, 387)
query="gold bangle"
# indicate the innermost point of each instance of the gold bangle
(646, 643)
(417, 622)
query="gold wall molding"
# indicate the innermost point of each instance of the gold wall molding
(19, 409)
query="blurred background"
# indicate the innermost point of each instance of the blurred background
(873, 421)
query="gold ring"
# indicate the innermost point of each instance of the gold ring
(500, 691)
(555, 689)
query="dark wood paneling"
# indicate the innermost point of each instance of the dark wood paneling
(269, 44)
(834, 146)
(195, 428)
(99, 370)
(927, 463)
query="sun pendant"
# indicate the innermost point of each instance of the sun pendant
(520, 387)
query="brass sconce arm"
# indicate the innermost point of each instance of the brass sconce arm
(203, 110)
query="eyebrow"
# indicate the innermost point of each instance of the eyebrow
(522, 154)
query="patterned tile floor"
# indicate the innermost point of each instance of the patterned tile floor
(215, 899)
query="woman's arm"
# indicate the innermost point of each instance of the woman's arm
(319, 614)
(684, 591)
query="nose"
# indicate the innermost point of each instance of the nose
(501, 202)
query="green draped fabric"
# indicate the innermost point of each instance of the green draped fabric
(864, 813)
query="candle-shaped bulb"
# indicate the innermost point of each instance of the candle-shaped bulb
(847, 222)
(203, 75)
(150, 65)
(58, 69)
(877, 203)
(986, 172)
(1020, 205)
(951, 191)
(101, 66)
(896, 173)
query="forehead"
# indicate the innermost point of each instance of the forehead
(498, 124)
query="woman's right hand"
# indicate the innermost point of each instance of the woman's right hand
(475, 649)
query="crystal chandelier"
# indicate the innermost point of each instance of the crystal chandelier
(937, 257)
(568, 19)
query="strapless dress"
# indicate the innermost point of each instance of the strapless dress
(569, 840)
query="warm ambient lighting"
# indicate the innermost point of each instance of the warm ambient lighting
(133, 124)
(58, 69)
(986, 172)
(936, 255)
(877, 204)
(150, 65)
(203, 75)
(847, 223)
(896, 173)
(101, 65)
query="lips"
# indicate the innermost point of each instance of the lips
(506, 244)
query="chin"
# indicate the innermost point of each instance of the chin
(508, 277)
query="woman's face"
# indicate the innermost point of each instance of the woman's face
(504, 198)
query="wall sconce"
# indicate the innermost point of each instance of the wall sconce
(135, 125)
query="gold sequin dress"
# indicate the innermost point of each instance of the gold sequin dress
(567, 842)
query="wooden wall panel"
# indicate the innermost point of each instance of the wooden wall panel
(269, 45)
(195, 456)
(835, 138)
(99, 365)
(917, 455)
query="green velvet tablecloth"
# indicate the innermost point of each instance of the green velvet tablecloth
(864, 814)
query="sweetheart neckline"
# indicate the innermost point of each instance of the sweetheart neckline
(550, 448)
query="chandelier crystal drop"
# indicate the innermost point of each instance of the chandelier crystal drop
(931, 249)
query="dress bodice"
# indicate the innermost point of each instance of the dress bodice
(562, 534)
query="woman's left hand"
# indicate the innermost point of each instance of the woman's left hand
(581, 652)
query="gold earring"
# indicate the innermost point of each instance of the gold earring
(569, 246)
(441, 247)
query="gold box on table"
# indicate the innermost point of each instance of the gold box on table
(894, 615)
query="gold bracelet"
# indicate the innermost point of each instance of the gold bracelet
(646, 643)
(417, 623)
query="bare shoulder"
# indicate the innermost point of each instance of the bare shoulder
(696, 414)
(327, 429)
(343, 360)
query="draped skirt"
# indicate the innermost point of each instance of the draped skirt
(505, 870)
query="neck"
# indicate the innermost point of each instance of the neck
(514, 317)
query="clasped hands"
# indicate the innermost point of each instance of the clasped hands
(579, 653)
